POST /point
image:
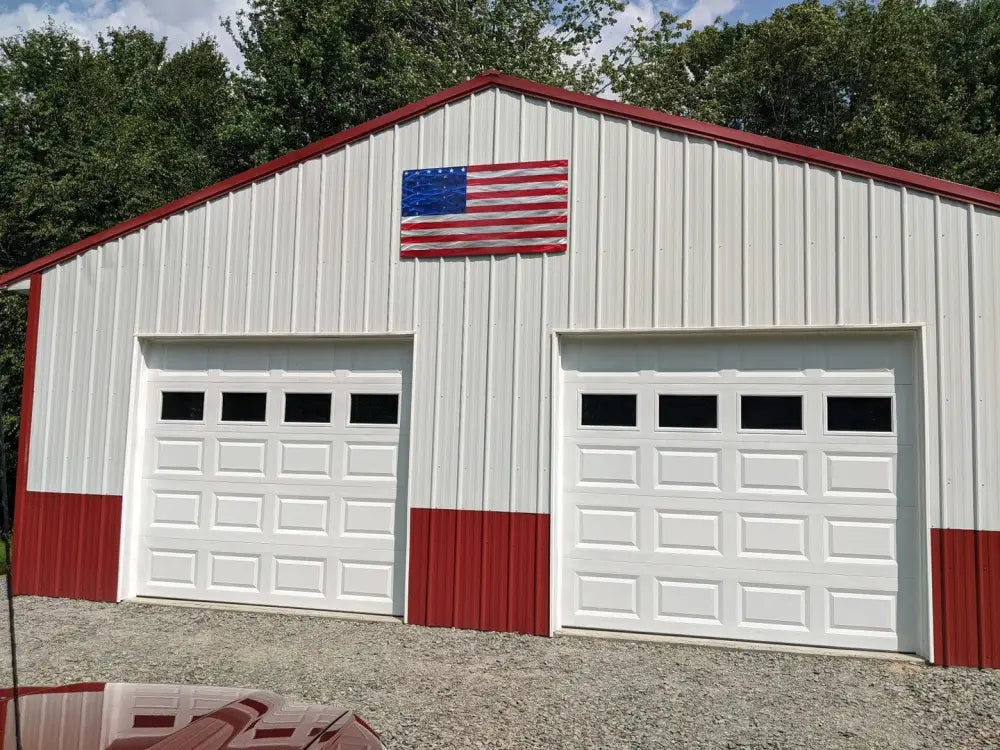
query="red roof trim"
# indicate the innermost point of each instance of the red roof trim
(490, 78)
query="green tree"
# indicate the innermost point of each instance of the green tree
(91, 135)
(316, 67)
(901, 82)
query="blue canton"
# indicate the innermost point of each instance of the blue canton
(431, 192)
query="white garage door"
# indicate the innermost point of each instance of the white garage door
(271, 474)
(746, 488)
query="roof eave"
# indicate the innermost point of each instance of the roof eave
(730, 136)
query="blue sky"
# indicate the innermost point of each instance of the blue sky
(183, 20)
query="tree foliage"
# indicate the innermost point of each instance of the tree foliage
(91, 135)
(902, 82)
(315, 67)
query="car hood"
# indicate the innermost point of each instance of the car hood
(125, 716)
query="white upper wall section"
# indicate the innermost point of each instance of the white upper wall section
(667, 231)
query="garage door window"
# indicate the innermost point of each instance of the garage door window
(607, 410)
(182, 406)
(697, 412)
(239, 406)
(771, 413)
(374, 408)
(859, 413)
(307, 407)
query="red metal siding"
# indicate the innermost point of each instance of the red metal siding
(66, 545)
(989, 598)
(965, 568)
(481, 570)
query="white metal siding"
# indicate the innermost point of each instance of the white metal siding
(666, 230)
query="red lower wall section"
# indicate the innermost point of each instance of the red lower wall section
(965, 567)
(481, 570)
(67, 545)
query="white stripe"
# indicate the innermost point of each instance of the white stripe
(511, 202)
(489, 243)
(516, 172)
(484, 215)
(518, 186)
(499, 227)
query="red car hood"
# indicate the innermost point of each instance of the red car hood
(121, 716)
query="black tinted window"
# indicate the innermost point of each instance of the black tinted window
(374, 408)
(771, 412)
(607, 410)
(859, 413)
(692, 411)
(188, 406)
(244, 407)
(307, 407)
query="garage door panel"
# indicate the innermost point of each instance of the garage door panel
(772, 472)
(688, 469)
(298, 514)
(177, 455)
(359, 579)
(798, 535)
(847, 611)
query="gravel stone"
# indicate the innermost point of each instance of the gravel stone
(442, 688)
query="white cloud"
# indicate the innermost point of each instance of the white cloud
(703, 12)
(180, 21)
(636, 12)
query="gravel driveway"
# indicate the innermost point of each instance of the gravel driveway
(431, 687)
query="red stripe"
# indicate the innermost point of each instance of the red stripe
(433, 239)
(517, 165)
(495, 604)
(67, 545)
(542, 559)
(989, 597)
(441, 576)
(152, 721)
(500, 564)
(462, 223)
(965, 586)
(517, 193)
(514, 179)
(420, 532)
(521, 574)
(468, 569)
(517, 207)
(444, 252)
(270, 733)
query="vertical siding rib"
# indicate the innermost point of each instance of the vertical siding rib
(759, 192)
(640, 232)
(791, 245)
(698, 267)
(853, 275)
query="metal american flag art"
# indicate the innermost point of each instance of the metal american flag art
(485, 209)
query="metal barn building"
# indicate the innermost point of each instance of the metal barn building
(520, 359)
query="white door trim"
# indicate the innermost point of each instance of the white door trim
(925, 435)
(128, 557)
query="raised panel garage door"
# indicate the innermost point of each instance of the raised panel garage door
(746, 488)
(272, 474)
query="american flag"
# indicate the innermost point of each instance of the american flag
(485, 209)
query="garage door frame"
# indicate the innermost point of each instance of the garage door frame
(915, 335)
(128, 554)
